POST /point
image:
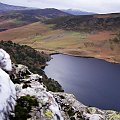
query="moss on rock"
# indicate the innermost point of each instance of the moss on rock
(23, 107)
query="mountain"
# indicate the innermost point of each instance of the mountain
(18, 18)
(5, 7)
(48, 12)
(77, 12)
(88, 23)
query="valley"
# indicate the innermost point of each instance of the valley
(43, 38)
(72, 39)
(53, 31)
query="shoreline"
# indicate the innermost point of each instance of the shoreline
(105, 58)
(84, 56)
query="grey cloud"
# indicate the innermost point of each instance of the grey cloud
(100, 6)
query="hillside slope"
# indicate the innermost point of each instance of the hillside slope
(88, 36)
(87, 23)
(31, 58)
(13, 19)
(43, 38)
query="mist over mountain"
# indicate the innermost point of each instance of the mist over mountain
(6, 7)
(77, 12)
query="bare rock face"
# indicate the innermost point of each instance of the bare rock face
(33, 101)
(57, 105)
(74, 110)
(47, 103)
(7, 88)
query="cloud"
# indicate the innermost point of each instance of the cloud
(100, 6)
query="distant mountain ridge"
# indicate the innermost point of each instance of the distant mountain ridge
(77, 12)
(12, 17)
(5, 7)
(49, 12)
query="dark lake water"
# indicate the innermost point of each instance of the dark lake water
(94, 82)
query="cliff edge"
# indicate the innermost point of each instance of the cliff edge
(53, 105)
(30, 99)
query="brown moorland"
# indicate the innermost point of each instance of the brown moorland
(99, 43)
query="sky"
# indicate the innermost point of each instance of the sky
(97, 6)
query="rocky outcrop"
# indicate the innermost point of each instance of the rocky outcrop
(74, 110)
(31, 85)
(35, 102)
(57, 105)
(7, 88)
(48, 107)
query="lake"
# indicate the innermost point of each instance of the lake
(94, 82)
